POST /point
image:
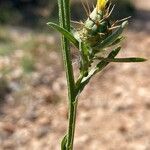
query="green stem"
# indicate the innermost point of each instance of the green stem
(64, 18)
(71, 127)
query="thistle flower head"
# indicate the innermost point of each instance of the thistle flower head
(99, 32)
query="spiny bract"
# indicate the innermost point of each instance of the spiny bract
(98, 26)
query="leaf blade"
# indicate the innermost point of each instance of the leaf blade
(64, 32)
(101, 65)
(124, 60)
(112, 38)
(64, 142)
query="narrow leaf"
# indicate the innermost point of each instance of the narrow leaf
(117, 41)
(123, 60)
(64, 32)
(64, 142)
(109, 40)
(101, 65)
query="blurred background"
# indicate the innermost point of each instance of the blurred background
(114, 110)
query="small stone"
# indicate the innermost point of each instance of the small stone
(122, 129)
(44, 121)
(47, 94)
(8, 144)
(31, 116)
(42, 131)
(22, 136)
(10, 128)
(147, 105)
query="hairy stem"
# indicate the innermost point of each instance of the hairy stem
(64, 18)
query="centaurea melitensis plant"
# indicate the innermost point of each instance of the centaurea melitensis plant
(96, 36)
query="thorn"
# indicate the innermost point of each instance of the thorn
(101, 34)
(112, 28)
(124, 19)
(108, 7)
(93, 5)
(88, 6)
(114, 23)
(76, 22)
(118, 21)
(85, 8)
(108, 15)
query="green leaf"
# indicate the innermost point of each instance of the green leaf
(64, 142)
(101, 65)
(117, 41)
(112, 38)
(123, 60)
(64, 32)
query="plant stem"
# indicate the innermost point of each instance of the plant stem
(64, 18)
(71, 127)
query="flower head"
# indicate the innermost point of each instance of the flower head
(101, 4)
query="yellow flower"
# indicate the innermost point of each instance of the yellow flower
(101, 4)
